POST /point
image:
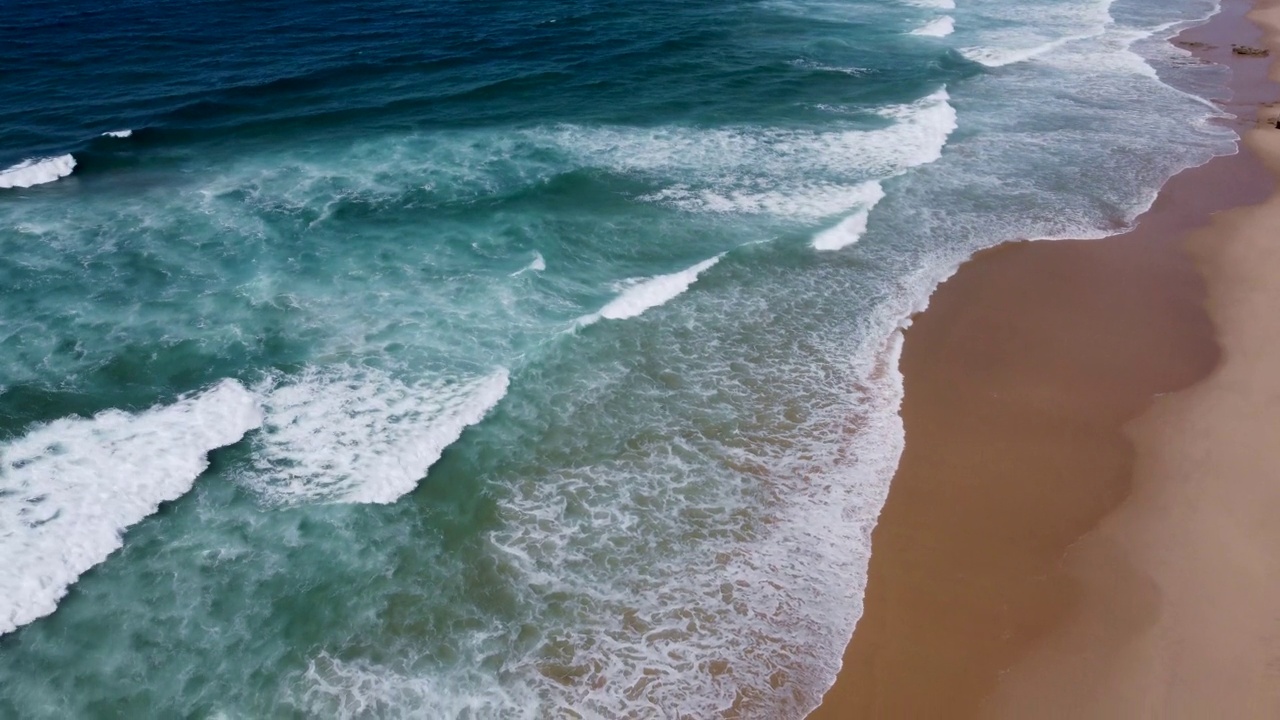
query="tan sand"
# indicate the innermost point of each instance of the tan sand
(1044, 554)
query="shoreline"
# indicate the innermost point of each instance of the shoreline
(1044, 545)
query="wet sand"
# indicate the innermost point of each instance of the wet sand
(1084, 520)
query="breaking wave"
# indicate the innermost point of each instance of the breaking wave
(37, 171)
(70, 488)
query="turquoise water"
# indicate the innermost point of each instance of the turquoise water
(486, 359)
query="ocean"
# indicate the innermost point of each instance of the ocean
(484, 359)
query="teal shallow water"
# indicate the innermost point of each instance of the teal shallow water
(492, 360)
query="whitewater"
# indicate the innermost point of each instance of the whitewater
(37, 171)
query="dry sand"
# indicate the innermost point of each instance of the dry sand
(1086, 519)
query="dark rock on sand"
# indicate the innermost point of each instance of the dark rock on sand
(1250, 51)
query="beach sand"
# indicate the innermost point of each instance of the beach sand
(1086, 518)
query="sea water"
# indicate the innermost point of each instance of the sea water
(478, 359)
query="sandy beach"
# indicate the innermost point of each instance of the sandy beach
(1083, 521)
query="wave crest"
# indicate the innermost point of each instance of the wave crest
(37, 171)
(650, 292)
(941, 27)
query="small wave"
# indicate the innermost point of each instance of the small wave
(37, 171)
(360, 436)
(118, 133)
(538, 265)
(650, 293)
(851, 229)
(941, 27)
(70, 488)
(934, 4)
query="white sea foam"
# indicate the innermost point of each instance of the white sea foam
(773, 172)
(940, 118)
(118, 133)
(732, 158)
(358, 435)
(641, 295)
(699, 559)
(37, 171)
(1019, 32)
(851, 229)
(999, 57)
(538, 264)
(941, 27)
(357, 689)
(70, 488)
(934, 4)
(805, 201)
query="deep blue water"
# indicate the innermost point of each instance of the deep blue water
(503, 359)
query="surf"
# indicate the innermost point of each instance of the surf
(37, 171)
(70, 489)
